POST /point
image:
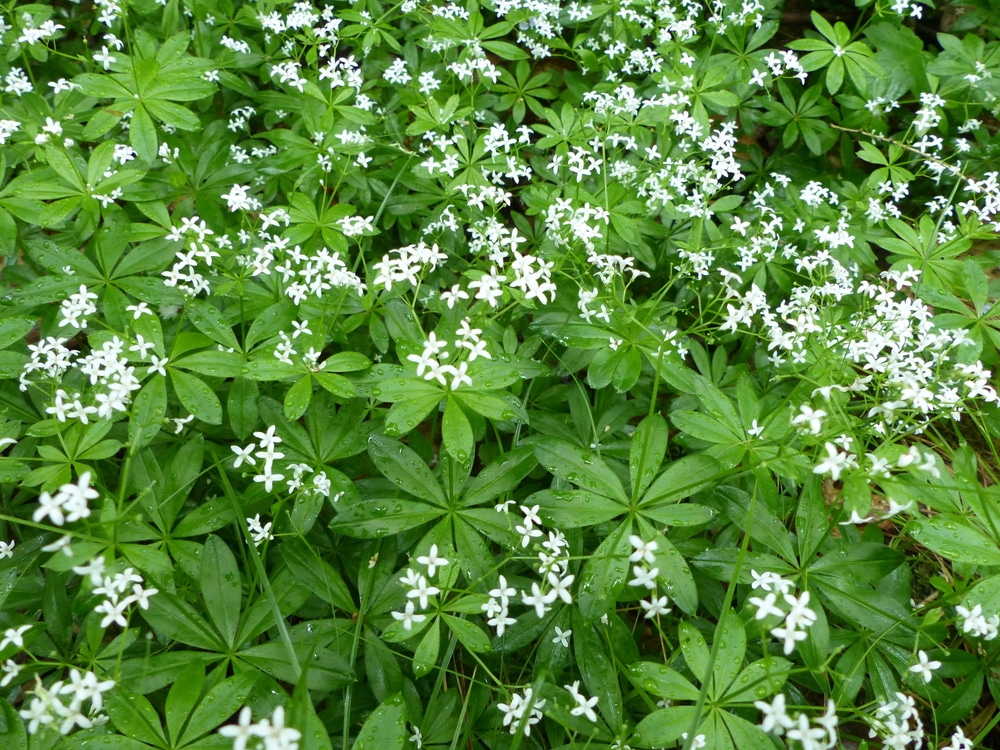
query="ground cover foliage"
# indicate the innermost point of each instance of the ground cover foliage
(499, 374)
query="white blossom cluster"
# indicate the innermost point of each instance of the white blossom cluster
(112, 587)
(819, 734)
(407, 264)
(916, 368)
(568, 224)
(73, 310)
(309, 277)
(647, 576)
(264, 450)
(69, 504)
(31, 34)
(433, 361)
(260, 533)
(897, 724)
(63, 704)
(106, 367)
(185, 274)
(266, 734)
(419, 589)
(977, 624)
(798, 617)
(522, 712)
(552, 568)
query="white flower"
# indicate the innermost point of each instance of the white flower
(644, 577)
(241, 732)
(238, 199)
(835, 462)
(561, 638)
(655, 607)
(408, 616)
(259, 533)
(775, 718)
(644, 551)
(811, 417)
(432, 561)
(584, 705)
(924, 666)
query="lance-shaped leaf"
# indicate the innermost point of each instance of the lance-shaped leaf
(582, 467)
(402, 466)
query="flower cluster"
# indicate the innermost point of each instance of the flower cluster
(819, 734)
(264, 450)
(62, 704)
(106, 366)
(454, 375)
(976, 624)
(266, 734)
(897, 723)
(799, 617)
(646, 576)
(523, 711)
(69, 504)
(418, 589)
(114, 606)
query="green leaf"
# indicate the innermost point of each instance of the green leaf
(581, 467)
(298, 397)
(426, 654)
(177, 620)
(755, 518)
(377, 517)
(404, 416)
(8, 236)
(731, 648)
(498, 406)
(744, 734)
(662, 681)
(695, 650)
(12, 732)
(221, 702)
(502, 476)
(327, 671)
(955, 538)
(468, 634)
(104, 742)
(385, 728)
(759, 680)
(338, 385)
(864, 562)
(241, 405)
(604, 575)
(197, 397)
(680, 585)
(221, 587)
(705, 427)
(675, 514)
(134, 716)
(571, 509)
(597, 668)
(183, 697)
(402, 466)
(682, 478)
(456, 431)
(142, 134)
(317, 575)
(214, 363)
(346, 362)
(649, 445)
(664, 727)
(209, 319)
